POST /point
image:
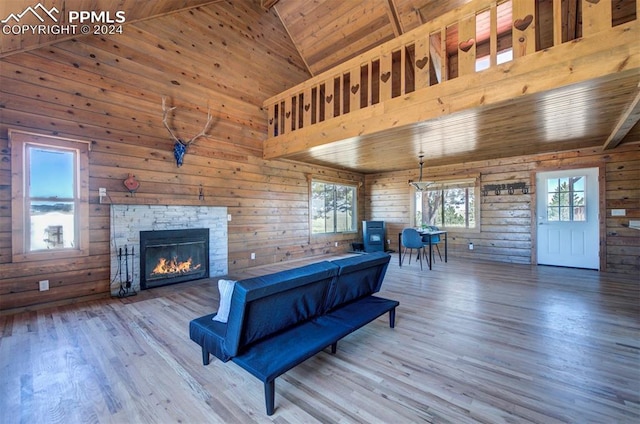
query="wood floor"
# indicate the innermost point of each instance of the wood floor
(474, 342)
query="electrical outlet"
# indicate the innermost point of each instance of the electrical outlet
(336, 244)
(388, 241)
(44, 285)
(229, 217)
(618, 212)
(253, 255)
(102, 191)
(470, 246)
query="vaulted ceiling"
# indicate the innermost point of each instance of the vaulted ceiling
(326, 33)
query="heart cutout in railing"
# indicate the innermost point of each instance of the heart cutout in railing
(465, 46)
(271, 121)
(329, 98)
(306, 107)
(421, 63)
(288, 114)
(594, 1)
(523, 24)
(355, 88)
(385, 76)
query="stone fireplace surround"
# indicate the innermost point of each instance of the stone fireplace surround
(128, 220)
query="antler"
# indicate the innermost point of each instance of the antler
(165, 112)
(204, 130)
(202, 133)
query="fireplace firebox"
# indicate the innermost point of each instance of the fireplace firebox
(173, 256)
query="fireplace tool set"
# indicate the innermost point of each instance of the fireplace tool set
(125, 286)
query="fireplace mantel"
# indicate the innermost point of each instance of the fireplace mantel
(127, 220)
(141, 200)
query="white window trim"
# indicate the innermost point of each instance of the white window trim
(18, 141)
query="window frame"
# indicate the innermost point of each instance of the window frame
(19, 141)
(473, 182)
(355, 186)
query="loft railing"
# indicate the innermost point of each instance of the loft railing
(479, 35)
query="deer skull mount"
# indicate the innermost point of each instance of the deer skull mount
(180, 146)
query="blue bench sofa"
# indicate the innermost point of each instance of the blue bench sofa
(277, 321)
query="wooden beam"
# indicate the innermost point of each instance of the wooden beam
(628, 119)
(297, 45)
(392, 11)
(419, 15)
(268, 4)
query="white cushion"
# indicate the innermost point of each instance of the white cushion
(226, 290)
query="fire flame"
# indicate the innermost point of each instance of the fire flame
(174, 266)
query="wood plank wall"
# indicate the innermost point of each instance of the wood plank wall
(108, 90)
(506, 220)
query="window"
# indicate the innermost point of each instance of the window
(450, 204)
(333, 208)
(565, 199)
(50, 197)
(504, 56)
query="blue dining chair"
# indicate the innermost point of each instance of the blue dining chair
(435, 240)
(411, 239)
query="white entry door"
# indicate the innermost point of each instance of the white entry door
(567, 213)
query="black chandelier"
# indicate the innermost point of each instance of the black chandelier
(420, 185)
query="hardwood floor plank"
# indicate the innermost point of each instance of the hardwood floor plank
(473, 343)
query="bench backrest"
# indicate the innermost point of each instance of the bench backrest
(268, 304)
(359, 276)
(265, 305)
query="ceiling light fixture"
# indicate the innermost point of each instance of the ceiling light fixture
(420, 185)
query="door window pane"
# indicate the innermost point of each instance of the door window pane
(566, 199)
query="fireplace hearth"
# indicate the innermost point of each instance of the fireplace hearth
(173, 256)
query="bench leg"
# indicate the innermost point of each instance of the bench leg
(392, 318)
(334, 347)
(270, 395)
(205, 356)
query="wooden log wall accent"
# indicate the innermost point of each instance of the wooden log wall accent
(108, 90)
(507, 220)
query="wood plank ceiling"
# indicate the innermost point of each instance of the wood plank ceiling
(328, 32)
